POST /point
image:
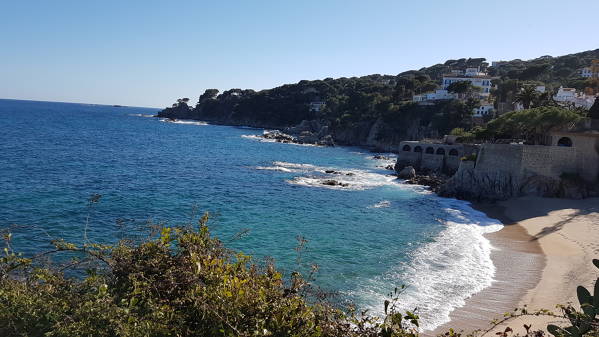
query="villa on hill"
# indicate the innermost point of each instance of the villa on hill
(475, 76)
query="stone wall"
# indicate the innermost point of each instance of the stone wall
(503, 171)
(586, 146)
(523, 161)
(548, 161)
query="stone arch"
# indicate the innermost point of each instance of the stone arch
(441, 151)
(407, 148)
(430, 150)
(418, 149)
(564, 141)
(453, 152)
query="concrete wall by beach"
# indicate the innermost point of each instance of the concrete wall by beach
(523, 161)
(586, 146)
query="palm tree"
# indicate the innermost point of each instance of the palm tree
(526, 96)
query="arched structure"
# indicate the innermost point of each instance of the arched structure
(441, 151)
(564, 141)
(453, 152)
(418, 149)
(407, 148)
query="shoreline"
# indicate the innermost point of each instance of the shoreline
(541, 255)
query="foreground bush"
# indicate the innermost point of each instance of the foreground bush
(181, 282)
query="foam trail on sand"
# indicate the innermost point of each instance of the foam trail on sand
(443, 273)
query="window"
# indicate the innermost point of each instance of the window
(417, 149)
(407, 148)
(430, 150)
(441, 151)
(453, 152)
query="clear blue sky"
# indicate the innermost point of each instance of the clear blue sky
(148, 53)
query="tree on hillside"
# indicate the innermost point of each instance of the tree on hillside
(208, 94)
(544, 99)
(532, 125)
(460, 87)
(594, 110)
(526, 96)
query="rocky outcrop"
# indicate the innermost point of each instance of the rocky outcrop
(312, 132)
(407, 172)
(307, 132)
(177, 111)
(469, 184)
(279, 136)
(475, 185)
(433, 181)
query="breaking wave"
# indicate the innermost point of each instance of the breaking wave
(259, 138)
(141, 115)
(441, 274)
(381, 204)
(188, 122)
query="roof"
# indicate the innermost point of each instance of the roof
(464, 76)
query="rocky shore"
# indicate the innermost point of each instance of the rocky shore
(307, 132)
(430, 179)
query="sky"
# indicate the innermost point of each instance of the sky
(149, 53)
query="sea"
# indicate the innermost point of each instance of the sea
(368, 236)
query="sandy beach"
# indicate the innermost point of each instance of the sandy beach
(543, 253)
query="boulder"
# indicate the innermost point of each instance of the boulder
(331, 182)
(407, 172)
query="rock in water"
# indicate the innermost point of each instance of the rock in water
(407, 172)
(331, 182)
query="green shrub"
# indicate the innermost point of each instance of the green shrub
(180, 282)
(470, 157)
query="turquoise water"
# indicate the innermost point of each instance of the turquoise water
(367, 237)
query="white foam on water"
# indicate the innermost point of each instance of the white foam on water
(440, 274)
(187, 122)
(259, 138)
(381, 204)
(443, 273)
(294, 165)
(141, 115)
(346, 179)
(276, 168)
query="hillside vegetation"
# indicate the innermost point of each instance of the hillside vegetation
(376, 110)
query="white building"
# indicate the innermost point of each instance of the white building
(482, 81)
(570, 96)
(565, 94)
(471, 72)
(316, 106)
(439, 94)
(586, 72)
(483, 110)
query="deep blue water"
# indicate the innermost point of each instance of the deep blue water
(367, 238)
